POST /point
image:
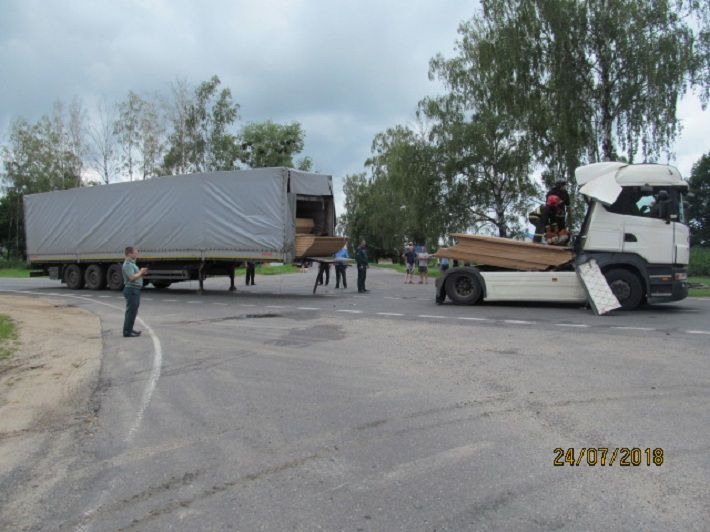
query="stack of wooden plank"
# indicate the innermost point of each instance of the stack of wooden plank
(318, 246)
(304, 226)
(505, 253)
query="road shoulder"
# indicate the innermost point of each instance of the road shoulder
(45, 392)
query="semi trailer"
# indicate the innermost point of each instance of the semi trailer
(634, 230)
(187, 227)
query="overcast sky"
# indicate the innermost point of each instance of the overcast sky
(345, 70)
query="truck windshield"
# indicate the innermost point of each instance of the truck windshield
(656, 202)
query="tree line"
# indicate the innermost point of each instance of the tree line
(190, 129)
(534, 86)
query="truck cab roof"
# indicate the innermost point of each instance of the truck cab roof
(604, 181)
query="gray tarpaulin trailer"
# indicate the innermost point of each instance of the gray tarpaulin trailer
(187, 226)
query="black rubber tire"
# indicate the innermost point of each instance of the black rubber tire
(114, 277)
(74, 277)
(626, 286)
(95, 277)
(463, 288)
(161, 285)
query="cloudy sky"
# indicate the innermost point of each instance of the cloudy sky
(345, 70)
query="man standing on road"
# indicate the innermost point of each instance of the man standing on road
(132, 284)
(340, 267)
(410, 257)
(423, 258)
(361, 259)
(251, 270)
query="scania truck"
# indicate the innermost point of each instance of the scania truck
(634, 229)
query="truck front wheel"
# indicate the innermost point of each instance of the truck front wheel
(161, 285)
(626, 287)
(463, 288)
(114, 276)
(95, 277)
(74, 277)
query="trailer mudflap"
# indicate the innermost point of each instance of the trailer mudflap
(599, 294)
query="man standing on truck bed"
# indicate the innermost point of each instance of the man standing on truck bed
(132, 284)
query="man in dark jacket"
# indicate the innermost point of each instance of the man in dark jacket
(562, 210)
(361, 259)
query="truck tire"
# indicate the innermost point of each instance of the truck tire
(463, 288)
(160, 285)
(95, 277)
(74, 277)
(626, 286)
(114, 277)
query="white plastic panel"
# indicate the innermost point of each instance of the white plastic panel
(534, 286)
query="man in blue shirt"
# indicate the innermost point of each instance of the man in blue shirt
(340, 267)
(132, 285)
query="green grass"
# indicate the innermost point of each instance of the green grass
(266, 269)
(433, 270)
(8, 336)
(699, 292)
(14, 272)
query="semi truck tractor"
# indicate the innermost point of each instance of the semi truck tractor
(187, 227)
(634, 230)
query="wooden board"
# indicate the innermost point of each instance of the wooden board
(304, 226)
(318, 246)
(506, 253)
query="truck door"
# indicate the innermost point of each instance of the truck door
(646, 233)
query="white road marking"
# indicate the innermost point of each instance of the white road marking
(221, 304)
(246, 305)
(698, 332)
(103, 297)
(388, 297)
(195, 302)
(519, 322)
(475, 319)
(389, 314)
(169, 300)
(308, 308)
(276, 306)
(570, 325)
(431, 317)
(350, 311)
(632, 328)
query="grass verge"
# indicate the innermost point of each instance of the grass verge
(8, 336)
(699, 292)
(14, 272)
(267, 269)
(433, 270)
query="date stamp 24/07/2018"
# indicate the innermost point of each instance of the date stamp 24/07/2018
(608, 456)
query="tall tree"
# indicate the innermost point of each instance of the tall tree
(592, 79)
(151, 139)
(102, 146)
(38, 157)
(269, 144)
(201, 139)
(699, 202)
(128, 131)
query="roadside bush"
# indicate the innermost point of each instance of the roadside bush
(699, 261)
(12, 262)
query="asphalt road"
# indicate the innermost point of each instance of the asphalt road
(273, 409)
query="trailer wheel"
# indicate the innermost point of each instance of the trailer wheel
(463, 288)
(95, 277)
(114, 277)
(626, 287)
(161, 285)
(74, 277)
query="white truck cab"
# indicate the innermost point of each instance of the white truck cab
(634, 228)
